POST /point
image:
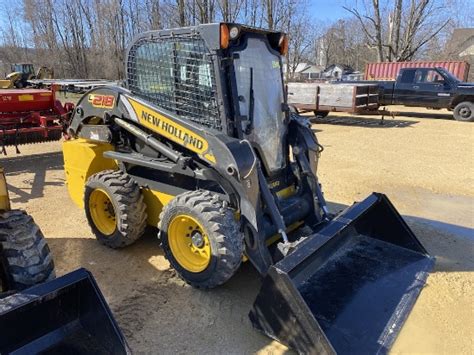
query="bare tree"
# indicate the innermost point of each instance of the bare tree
(277, 12)
(14, 38)
(300, 31)
(411, 25)
(230, 9)
(394, 28)
(181, 13)
(88, 38)
(252, 13)
(152, 9)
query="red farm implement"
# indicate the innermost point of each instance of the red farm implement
(31, 116)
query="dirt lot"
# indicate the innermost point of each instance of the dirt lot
(425, 166)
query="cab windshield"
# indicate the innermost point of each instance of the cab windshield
(260, 91)
(22, 68)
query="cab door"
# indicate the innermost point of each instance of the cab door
(432, 89)
(404, 91)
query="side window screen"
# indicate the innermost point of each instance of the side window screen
(175, 74)
(407, 77)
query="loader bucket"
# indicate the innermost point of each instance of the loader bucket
(67, 315)
(348, 288)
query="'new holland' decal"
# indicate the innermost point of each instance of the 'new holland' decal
(170, 129)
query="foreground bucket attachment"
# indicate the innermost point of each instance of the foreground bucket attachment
(347, 289)
(65, 316)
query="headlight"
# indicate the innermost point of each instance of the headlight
(234, 32)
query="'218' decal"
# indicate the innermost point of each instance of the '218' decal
(102, 101)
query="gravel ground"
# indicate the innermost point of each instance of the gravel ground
(422, 160)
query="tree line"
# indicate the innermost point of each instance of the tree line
(88, 38)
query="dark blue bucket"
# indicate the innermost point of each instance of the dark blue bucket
(67, 315)
(348, 288)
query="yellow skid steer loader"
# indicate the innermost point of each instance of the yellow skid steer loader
(201, 144)
(21, 73)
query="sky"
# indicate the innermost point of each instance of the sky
(327, 9)
(320, 9)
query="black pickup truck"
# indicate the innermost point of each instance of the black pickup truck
(429, 87)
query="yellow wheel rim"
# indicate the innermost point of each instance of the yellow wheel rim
(189, 243)
(102, 212)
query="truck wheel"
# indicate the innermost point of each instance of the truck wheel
(25, 258)
(114, 208)
(201, 238)
(464, 111)
(321, 114)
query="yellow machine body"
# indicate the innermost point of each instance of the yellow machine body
(6, 84)
(4, 197)
(23, 72)
(83, 158)
(155, 201)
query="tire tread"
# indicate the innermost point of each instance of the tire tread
(132, 215)
(24, 252)
(225, 233)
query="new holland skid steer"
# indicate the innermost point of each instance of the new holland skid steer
(202, 145)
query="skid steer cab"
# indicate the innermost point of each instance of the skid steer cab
(201, 145)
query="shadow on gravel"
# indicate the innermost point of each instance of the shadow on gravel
(432, 114)
(452, 245)
(32, 164)
(154, 307)
(362, 121)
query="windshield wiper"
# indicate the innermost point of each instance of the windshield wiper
(251, 105)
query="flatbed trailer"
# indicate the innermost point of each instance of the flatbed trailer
(324, 98)
(72, 85)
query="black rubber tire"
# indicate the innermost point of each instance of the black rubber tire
(24, 254)
(464, 111)
(320, 114)
(225, 238)
(128, 203)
